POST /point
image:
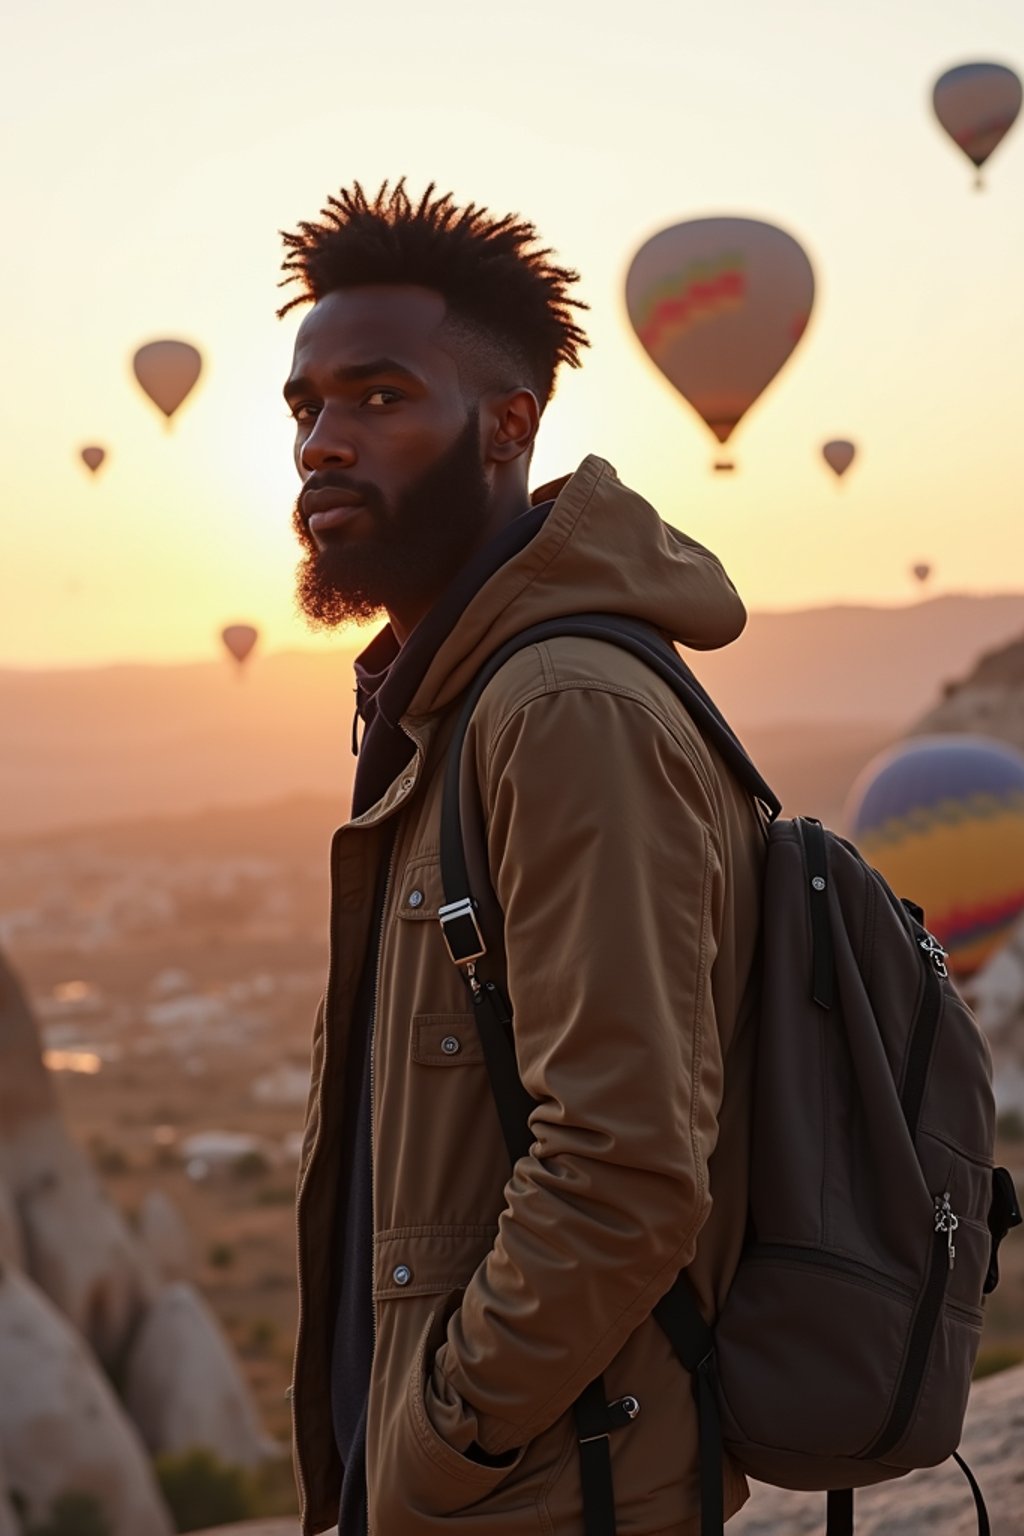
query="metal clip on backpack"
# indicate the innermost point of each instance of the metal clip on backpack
(844, 1350)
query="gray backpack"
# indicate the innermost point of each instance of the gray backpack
(844, 1351)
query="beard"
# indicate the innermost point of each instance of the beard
(416, 547)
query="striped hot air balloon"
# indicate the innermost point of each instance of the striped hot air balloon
(719, 305)
(942, 817)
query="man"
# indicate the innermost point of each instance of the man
(450, 1316)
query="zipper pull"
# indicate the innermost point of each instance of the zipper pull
(935, 953)
(946, 1222)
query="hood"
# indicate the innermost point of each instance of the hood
(602, 549)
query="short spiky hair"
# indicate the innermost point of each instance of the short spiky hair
(497, 286)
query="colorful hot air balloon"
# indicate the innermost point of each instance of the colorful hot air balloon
(92, 458)
(977, 105)
(921, 572)
(239, 640)
(839, 455)
(167, 372)
(942, 817)
(719, 304)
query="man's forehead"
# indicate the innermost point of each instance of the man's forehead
(356, 323)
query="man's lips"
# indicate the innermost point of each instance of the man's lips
(334, 517)
(329, 508)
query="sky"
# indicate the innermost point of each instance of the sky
(153, 153)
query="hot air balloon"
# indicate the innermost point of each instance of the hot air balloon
(942, 817)
(839, 455)
(239, 640)
(167, 372)
(92, 458)
(719, 304)
(977, 105)
(921, 572)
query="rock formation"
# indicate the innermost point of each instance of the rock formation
(183, 1386)
(61, 1427)
(80, 1294)
(12, 1249)
(8, 1523)
(988, 702)
(77, 1246)
(166, 1237)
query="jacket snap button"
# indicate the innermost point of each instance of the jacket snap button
(402, 1274)
(450, 1045)
(415, 898)
(405, 786)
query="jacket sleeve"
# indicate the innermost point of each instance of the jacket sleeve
(604, 847)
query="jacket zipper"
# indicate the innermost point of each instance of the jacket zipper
(373, 1160)
(303, 1487)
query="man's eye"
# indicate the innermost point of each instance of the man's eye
(375, 394)
(297, 412)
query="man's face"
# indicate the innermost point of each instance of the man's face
(394, 492)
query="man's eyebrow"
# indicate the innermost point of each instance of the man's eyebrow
(353, 373)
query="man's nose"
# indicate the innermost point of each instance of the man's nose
(327, 444)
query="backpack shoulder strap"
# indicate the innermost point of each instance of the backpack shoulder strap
(677, 1313)
(459, 923)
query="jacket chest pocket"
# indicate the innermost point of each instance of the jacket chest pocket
(420, 979)
(445, 1040)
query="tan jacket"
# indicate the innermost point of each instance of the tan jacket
(628, 864)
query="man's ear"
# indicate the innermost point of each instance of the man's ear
(512, 420)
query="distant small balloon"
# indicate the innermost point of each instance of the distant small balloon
(977, 105)
(239, 640)
(93, 457)
(921, 572)
(167, 372)
(839, 455)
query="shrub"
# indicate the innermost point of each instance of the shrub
(262, 1333)
(202, 1491)
(1001, 1357)
(108, 1159)
(71, 1514)
(273, 1489)
(1010, 1125)
(251, 1165)
(276, 1194)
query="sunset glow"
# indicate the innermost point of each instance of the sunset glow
(161, 152)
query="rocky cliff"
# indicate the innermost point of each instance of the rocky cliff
(84, 1301)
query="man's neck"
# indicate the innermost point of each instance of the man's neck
(499, 517)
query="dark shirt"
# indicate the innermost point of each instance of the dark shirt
(387, 677)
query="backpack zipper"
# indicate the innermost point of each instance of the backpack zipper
(919, 1345)
(822, 1259)
(922, 1040)
(922, 1037)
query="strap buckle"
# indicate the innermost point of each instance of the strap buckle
(615, 1415)
(461, 931)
